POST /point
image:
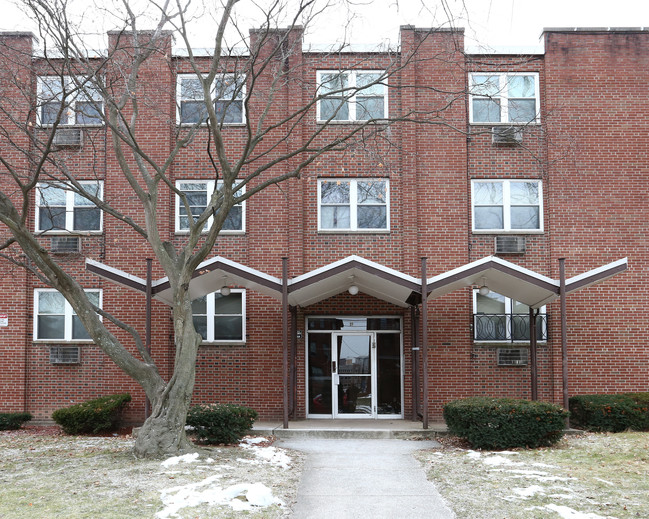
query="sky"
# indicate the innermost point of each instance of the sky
(487, 23)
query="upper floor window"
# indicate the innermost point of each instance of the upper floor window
(504, 98)
(507, 205)
(221, 318)
(353, 205)
(56, 320)
(79, 102)
(198, 193)
(499, 318)
(228, 92)
(352, 95)
(59, 208)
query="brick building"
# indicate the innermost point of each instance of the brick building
(539, 157)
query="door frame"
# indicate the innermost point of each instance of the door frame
(402, 373)
(335, 376)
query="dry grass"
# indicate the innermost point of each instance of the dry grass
(90, 477)
(584, 477)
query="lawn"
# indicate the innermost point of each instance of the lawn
(55, 476)
(589, 476)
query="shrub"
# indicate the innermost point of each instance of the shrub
(13, 420)
(221, 423)
(612, 413)
(98, 415)
(501, 423)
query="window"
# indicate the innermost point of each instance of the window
(353, 205)
(221, 318)
(198, 193)
(504, 98)
(352, 96)
(497, 318)
(58, 208)
(55, 318)
(228, 92)
(507, 205)
(83, 103)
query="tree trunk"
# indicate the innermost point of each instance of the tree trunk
(163, 433)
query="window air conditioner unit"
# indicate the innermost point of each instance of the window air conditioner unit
(510, 244)
(68, 137)
(506, 135)
(65, 355)
(65, 244)
(512, 357)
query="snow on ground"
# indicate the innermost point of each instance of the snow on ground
(240, 496)
(568, 513)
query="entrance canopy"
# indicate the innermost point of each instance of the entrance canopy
(374, 279)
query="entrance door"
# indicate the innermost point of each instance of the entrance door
(353, 368)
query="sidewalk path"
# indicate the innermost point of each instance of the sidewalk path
(374, 479)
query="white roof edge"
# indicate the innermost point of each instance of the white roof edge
(226, 261)
(495, 259)
(115, 271)
(596, 271)
(349, 259)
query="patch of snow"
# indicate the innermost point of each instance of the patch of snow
(508, 452)
(254, 441)
(568, 513)
(473, 454)
(529, 491)
(270, 455)
(544, 465)
(562, 496)
(604, 481)
(186, 458)
(499, 460)
(255, 495)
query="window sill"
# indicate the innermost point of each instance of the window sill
(221, 233)
(353, 232)
(60, 126)
(512, 231)
(62, 342)
(531, 123)
(367, 121)
(223, 343)
(204, 125)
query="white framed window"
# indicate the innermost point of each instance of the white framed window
(353, 204)
(507, 205)
(497, 318)
(83, 103)
(55, 320)
(58, 208)
(511, 98)
(221, 318)
(198, 193)
(228, 92)
(354, 95)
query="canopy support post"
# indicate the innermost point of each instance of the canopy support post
(285, 337)
(564, 336)
(147, 336)
(424, 341)
(533, 365)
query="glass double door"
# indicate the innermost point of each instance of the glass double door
(354, 374)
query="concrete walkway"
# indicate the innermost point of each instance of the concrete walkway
(349, 479)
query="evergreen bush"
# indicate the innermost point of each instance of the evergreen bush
(502, 423)
(612, 413)
(221, 423)
(13, 420)
(98, 415)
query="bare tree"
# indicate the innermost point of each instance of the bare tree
(118, 90)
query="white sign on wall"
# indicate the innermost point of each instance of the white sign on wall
(4, 319)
